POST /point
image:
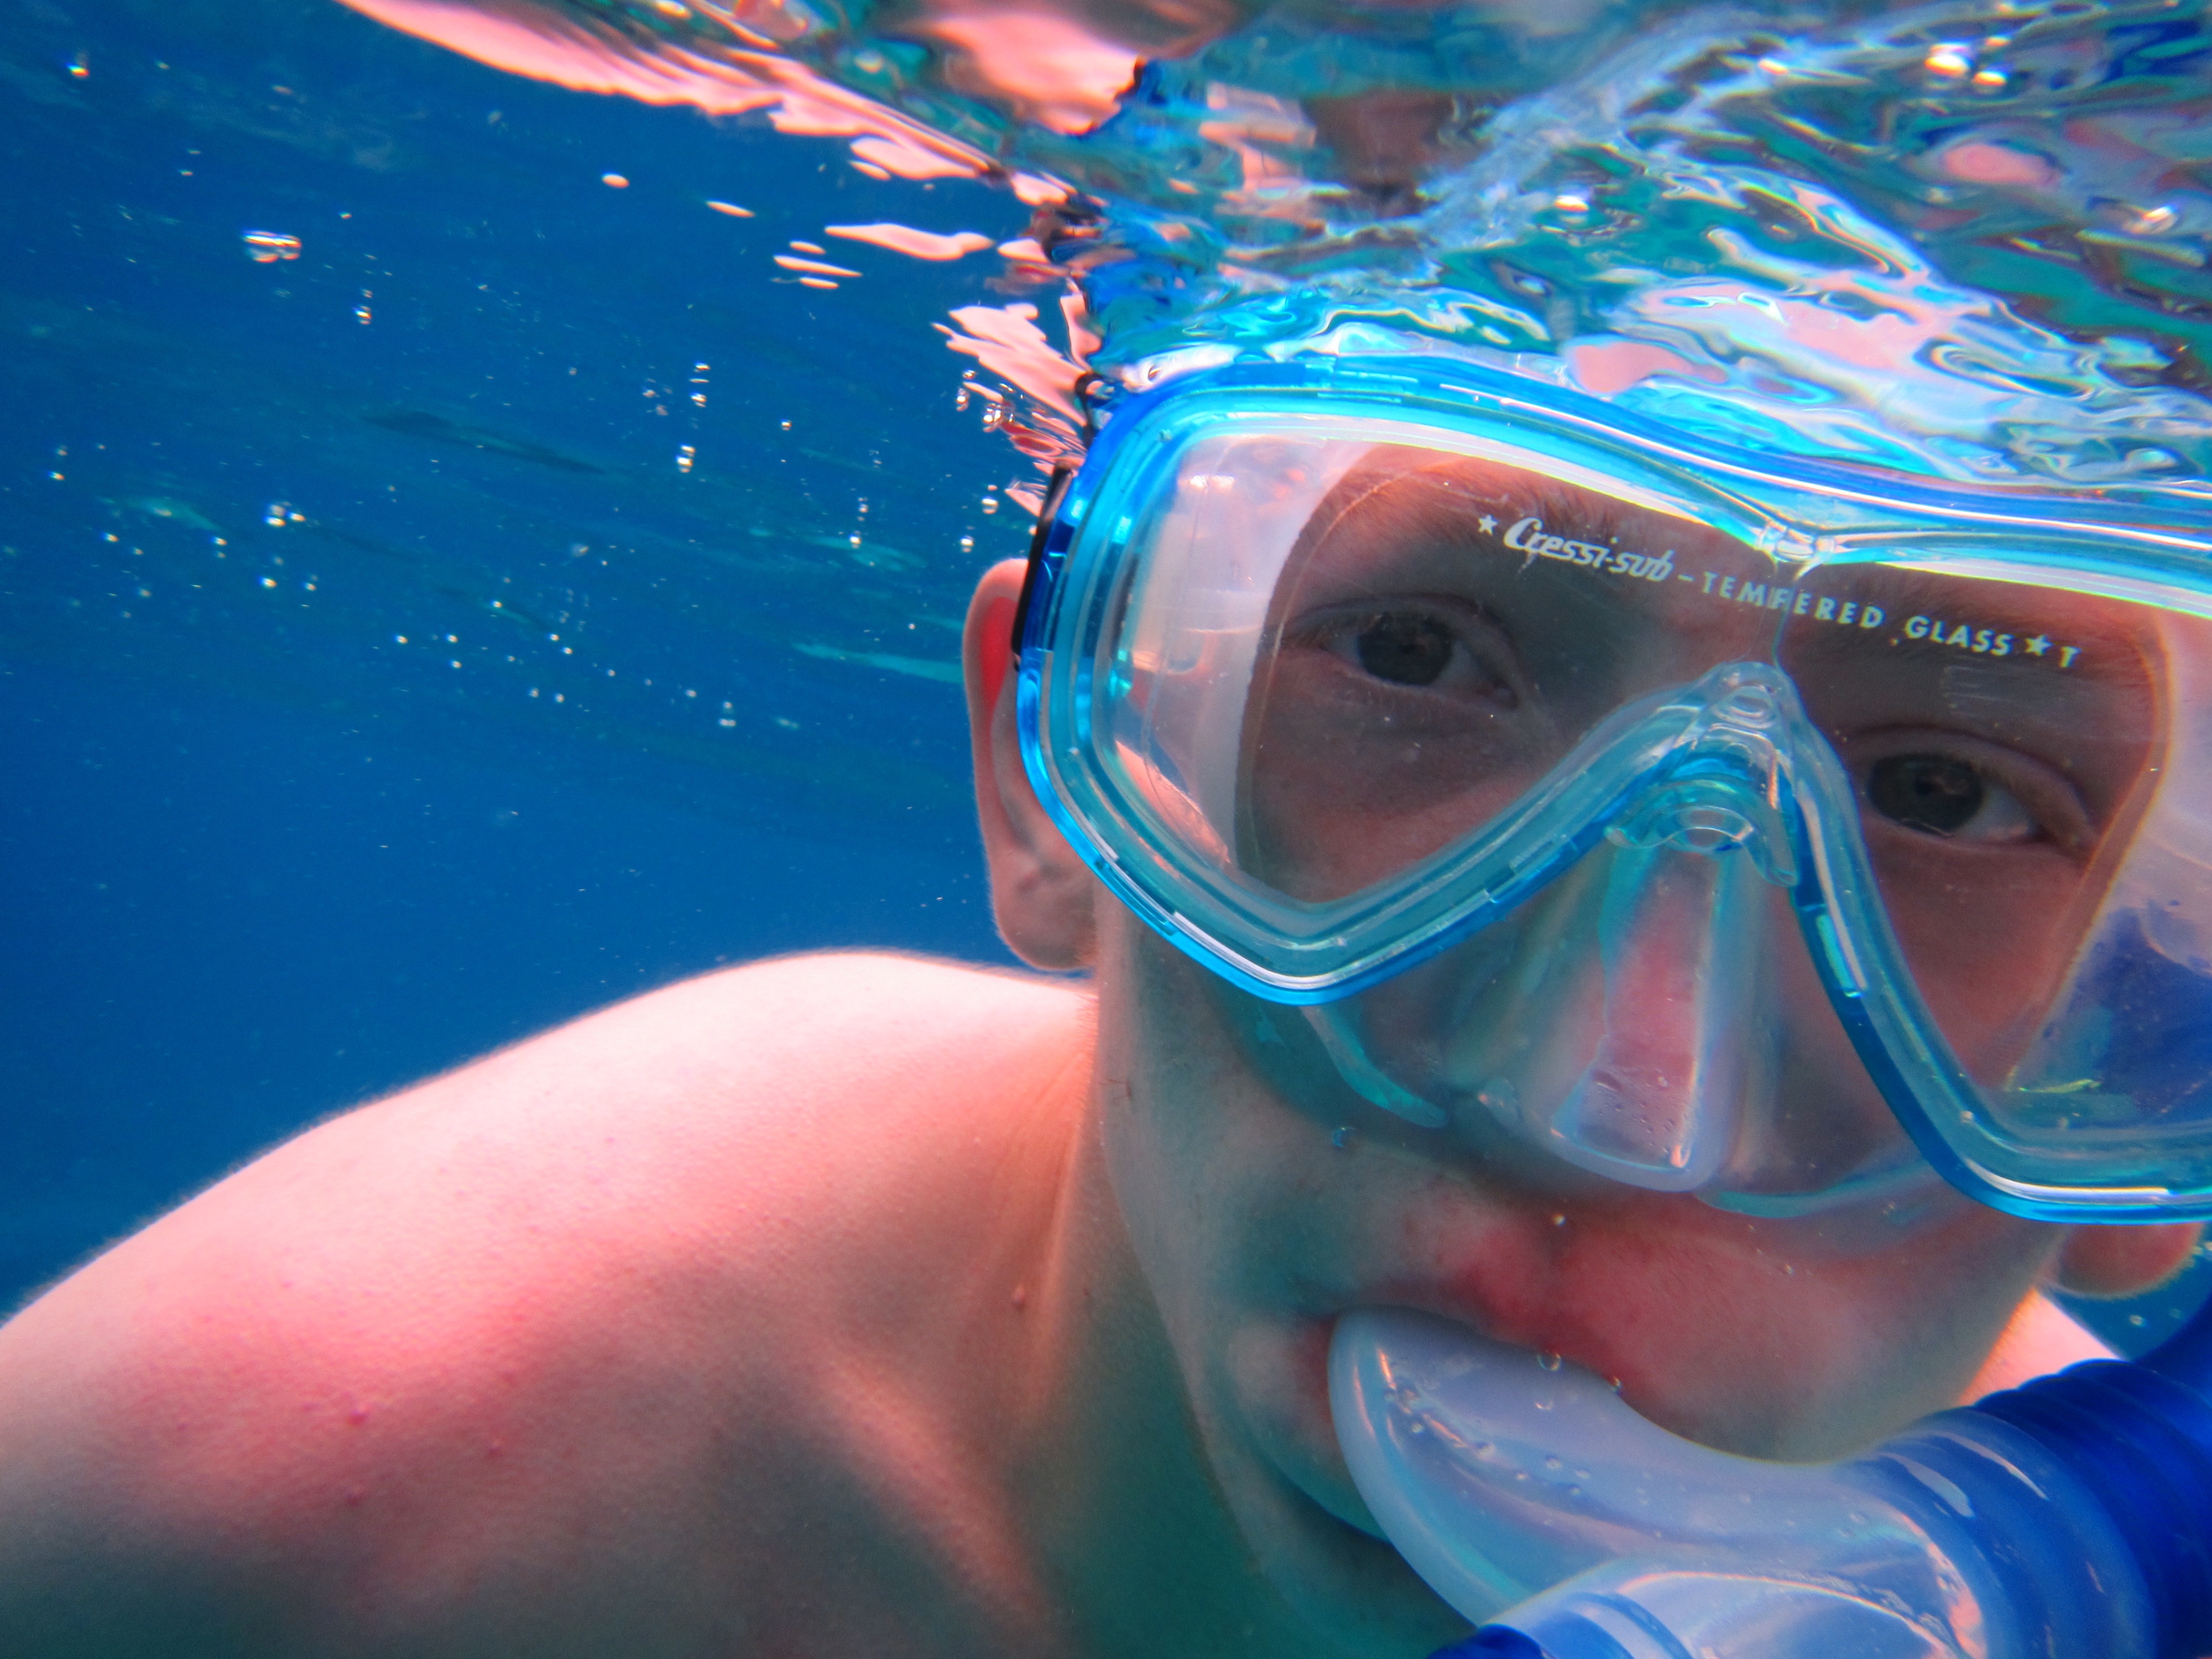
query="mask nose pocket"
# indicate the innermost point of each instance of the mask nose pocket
(1622, 1023)
(1622, 1020)
(1661, 1103)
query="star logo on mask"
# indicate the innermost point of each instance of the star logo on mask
(1489, 525)
(2037, 646)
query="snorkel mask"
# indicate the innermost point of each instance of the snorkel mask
(1777, 833)
(1497, 731)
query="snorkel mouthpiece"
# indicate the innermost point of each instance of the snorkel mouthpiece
(2068, 1517)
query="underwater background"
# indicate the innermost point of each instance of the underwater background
(469, 553)
(304, 799)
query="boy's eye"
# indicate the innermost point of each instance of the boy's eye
(1442, 652)
(1944, 795)
(1404, 650)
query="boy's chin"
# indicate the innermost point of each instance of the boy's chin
(1272, 1445)
(1344, 1584)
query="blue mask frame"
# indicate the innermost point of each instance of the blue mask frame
(1652, 773)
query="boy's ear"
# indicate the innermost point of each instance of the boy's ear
(2124, 1261)
(1042, 896)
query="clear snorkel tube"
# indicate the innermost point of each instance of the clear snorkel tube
(2071, 1517)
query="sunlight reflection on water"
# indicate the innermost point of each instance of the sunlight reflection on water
(1965, 239)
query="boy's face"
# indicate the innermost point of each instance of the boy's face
(1264, 1199)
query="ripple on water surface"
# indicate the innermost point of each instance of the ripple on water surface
(1788, 227)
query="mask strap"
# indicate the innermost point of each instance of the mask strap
(1062, 476)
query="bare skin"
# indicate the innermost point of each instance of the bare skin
(770, 1313)
(855, 1305)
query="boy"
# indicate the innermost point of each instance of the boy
(864, 1304)
(858, 1305)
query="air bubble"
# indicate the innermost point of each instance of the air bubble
(266, 248)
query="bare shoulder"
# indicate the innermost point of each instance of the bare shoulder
(448, 1335)
(708, 1105)
(794, 1044)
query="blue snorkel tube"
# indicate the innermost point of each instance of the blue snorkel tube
(2069, 1518)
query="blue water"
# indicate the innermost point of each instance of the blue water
(259, 860)
(377, 685)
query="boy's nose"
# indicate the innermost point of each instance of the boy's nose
(1682, 938)
(1623, 1021)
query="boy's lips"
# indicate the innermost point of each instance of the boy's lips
(1530, 1283)
(1546, 1331)
(1646, 1290)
